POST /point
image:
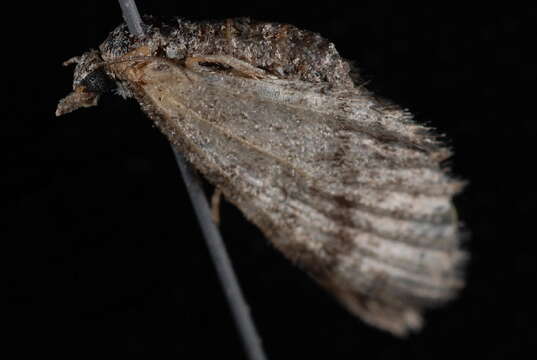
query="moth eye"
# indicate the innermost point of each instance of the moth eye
(97, 82)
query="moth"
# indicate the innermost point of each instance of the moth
(346, 185)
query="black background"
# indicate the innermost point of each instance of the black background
(104, 254)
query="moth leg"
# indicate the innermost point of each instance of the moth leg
(215, 205)
(239, 66)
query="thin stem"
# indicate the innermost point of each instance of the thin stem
(217, 249)
(132, 17)
(221, 261)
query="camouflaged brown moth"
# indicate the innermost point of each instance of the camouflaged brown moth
(347, 187)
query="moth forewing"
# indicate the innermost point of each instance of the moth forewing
(267, 153)
(347, 188)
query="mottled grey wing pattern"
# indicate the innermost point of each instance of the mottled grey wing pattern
(348, 188)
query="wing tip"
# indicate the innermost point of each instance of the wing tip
(398, 321)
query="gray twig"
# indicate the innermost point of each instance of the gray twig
(132, 17)
(217, 249)
(222, 262)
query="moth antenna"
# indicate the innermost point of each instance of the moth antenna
(133, 58)
(71, 61)
(142, 58)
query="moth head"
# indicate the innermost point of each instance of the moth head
(89, 82)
